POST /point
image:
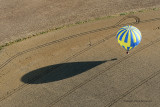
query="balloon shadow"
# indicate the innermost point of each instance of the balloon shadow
(59, 71)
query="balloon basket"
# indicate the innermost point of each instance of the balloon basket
(127, 52)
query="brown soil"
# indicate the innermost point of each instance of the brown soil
(20, 18)
(83, 66)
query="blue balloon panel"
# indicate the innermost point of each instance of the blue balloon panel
(129, 37)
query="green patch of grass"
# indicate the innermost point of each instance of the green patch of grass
(108, 17)
(141, 10)
(18, 40)
(156, 8)
(121, 14)
(98, 18)
(1, 47)
(57, 28)
(132, 12)
(79, 22)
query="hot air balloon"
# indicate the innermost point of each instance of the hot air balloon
(128, 37)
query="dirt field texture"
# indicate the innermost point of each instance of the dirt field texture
(84, 66)
(20, 18)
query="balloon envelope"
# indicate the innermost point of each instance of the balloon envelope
(129, 37)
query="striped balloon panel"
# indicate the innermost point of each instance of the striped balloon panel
(129, 37)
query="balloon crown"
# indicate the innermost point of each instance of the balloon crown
(129, 37)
